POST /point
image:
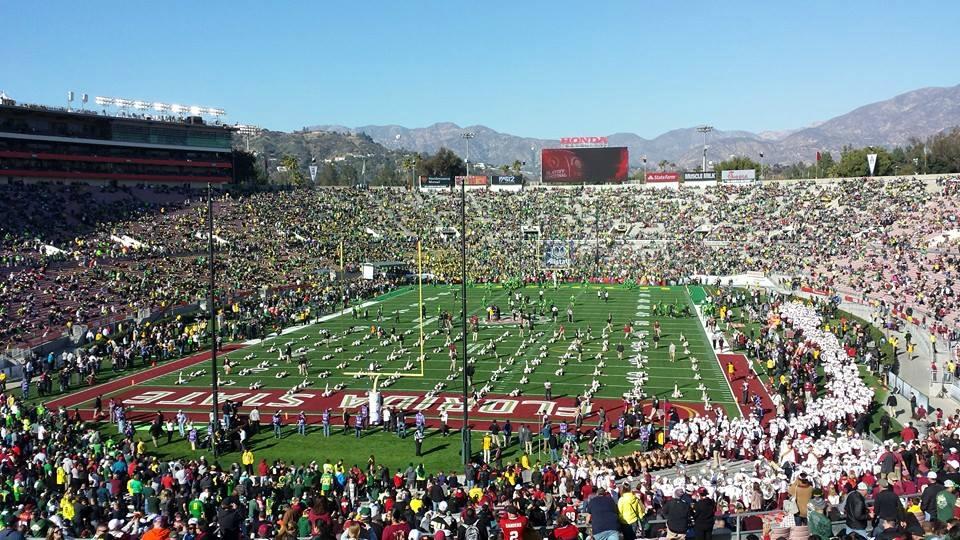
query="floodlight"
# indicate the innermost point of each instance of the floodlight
(160, 107)
(105, 101)
(141, 105)
(179, 109)
(196, 110)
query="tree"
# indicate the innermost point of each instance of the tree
(245, 168)
(662, 164)
(292, 173)
(443, 163)
(738, 163)
(328, 175)
(517, 165)
(826, 165)
(504, 168)
(944, 154)
(853, 162)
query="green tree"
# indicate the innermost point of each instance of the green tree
(443, 163)
(328, 175)
(853, 162)
(517, 166)
(944, 154)
(246, 169)
(738, 163)
(409, 165)
(504, 168)
(292, 173)
(826, 165)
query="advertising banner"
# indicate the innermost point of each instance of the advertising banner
(872, 162)
(700, 176)
(662, 177)
(506, 180)
(744, 176)
(585, 164)
(472, 180)
(568, 142)
(506, 183)
(435, 182)
(313, 173)
(557, 253)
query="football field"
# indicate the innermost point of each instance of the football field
(345, 353)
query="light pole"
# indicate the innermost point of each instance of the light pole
(761, 166)
(704, 130)
(465, 430)
(214, 383)
(644, 157)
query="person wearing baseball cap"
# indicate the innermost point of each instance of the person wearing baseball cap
(946, 500)
(928, 499)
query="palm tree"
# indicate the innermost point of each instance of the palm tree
(662, 164)
(504, 169)
(516, 166)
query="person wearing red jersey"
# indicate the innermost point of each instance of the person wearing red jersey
(565, 530)
(569, 511)
(513, 525)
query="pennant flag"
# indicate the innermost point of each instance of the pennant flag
(818, 155)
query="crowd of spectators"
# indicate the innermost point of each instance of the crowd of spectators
(79, 254)
(61, 476)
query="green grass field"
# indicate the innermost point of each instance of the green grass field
(353, 349)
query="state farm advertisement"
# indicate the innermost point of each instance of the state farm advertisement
(662, 177)
(585, 164)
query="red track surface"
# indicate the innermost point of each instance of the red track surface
(741, 369)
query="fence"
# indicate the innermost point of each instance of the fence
(905, 389)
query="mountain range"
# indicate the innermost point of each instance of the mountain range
(918, 113)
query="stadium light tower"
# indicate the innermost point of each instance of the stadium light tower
(704, 129)
(465, 430)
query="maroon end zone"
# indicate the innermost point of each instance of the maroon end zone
(146, 399)
(196, 402)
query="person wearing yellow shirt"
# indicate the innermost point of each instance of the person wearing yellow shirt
(510, 477)
(416, 505)
(629, 508)
(475, 493)
(487, 446)
(525, 462)
(247, 460)
(66, 507)
(61, 476)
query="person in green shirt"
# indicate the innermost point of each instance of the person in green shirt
(303, 526)
(946, 500)
(326, 483)
(196, 508)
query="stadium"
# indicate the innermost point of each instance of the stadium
(213, 329)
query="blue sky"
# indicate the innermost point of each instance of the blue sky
(536, 68)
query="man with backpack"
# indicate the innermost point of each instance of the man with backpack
(470, 528)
